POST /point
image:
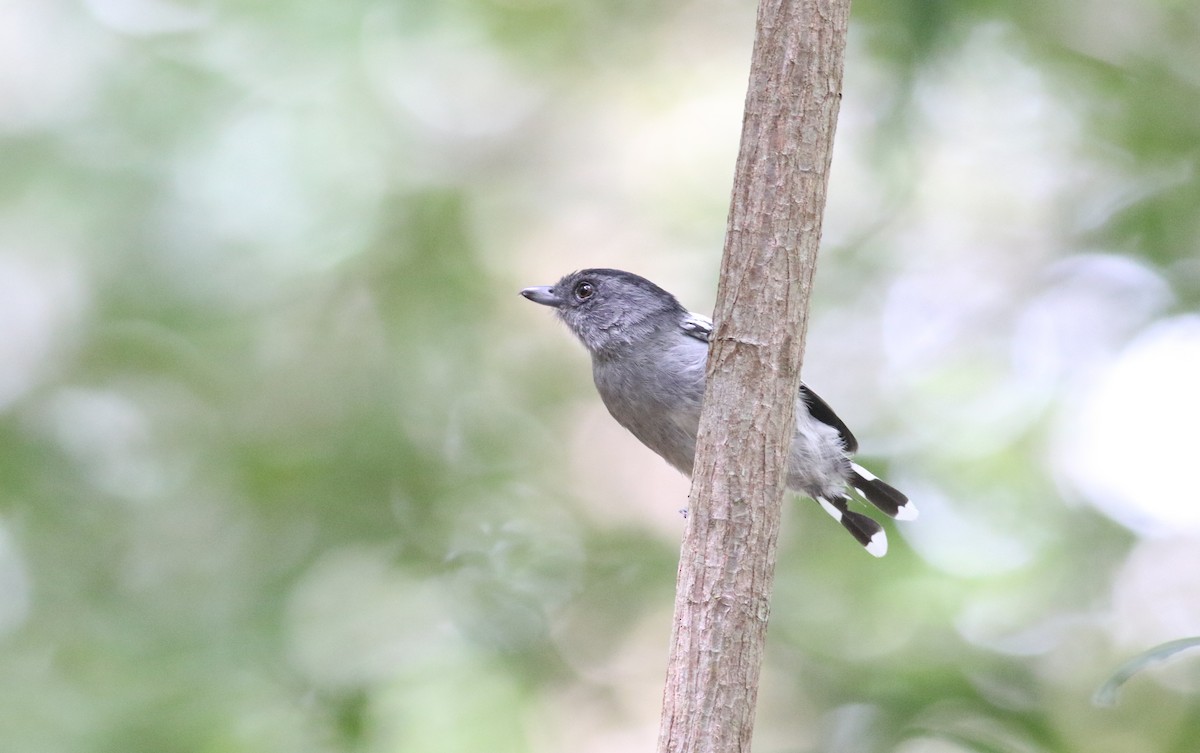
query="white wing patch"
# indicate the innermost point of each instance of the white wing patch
(698, 326)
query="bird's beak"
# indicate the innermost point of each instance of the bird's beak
(544, 295)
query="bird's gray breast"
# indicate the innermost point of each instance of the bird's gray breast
(656, 393)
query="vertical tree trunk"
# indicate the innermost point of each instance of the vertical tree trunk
(727, 562)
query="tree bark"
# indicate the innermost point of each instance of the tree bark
(727, 562)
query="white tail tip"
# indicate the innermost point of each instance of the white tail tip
(878, 545)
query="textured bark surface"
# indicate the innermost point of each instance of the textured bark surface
(727, 562)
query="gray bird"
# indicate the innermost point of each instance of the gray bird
(648, 360)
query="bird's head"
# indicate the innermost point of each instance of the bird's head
(608, 309)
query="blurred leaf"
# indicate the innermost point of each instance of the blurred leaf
(1107, 694)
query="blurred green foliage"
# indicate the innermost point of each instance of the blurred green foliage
(286, 465)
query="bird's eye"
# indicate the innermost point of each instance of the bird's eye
(584, 290)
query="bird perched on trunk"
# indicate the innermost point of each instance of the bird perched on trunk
(648, 360)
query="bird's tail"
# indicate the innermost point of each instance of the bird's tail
(868, 533)
(885, 497)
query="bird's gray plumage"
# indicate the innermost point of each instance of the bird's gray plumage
(648, 359)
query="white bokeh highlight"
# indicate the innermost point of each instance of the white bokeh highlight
(1131, 445)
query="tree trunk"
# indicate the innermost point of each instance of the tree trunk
(727, 562)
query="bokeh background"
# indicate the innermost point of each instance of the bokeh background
(286, 465)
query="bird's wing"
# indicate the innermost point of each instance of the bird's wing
(700, 327)
(820, 410)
